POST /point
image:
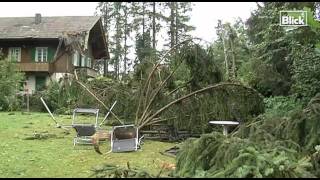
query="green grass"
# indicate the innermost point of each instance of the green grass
(56, 156)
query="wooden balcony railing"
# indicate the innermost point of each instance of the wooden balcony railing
(87, 71)
(35, 67)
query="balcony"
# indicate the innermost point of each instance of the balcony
(87, 71)
(35, 67)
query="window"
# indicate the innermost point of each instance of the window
(76, 58)
(41, 54)
(15, 54)
(40, 83)
(83, 61)
(89, 62)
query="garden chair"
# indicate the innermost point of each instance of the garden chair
(83, 129)
(125, 138)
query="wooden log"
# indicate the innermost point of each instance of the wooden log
(153, 132)
(156, 138)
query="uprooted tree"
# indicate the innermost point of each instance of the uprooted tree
(225, 100)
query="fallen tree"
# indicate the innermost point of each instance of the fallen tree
(149, 120)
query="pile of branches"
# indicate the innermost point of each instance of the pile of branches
(215, 155)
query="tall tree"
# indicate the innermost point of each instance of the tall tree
(106, 10)
(154, 25)
(228, 36)
(148, 15)
(178, 21)
(117, 38)
(127, 30)
(172, 6)
(272, 47)
(182, 19)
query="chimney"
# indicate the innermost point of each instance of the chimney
(38, 18)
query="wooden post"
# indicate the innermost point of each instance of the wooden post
(28, 110)
(26, 93)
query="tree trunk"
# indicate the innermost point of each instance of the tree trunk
(154, 26)
(225, 53)
(118, 41)
(176, 23)
(106, 19)
(234, 75)
(125, 39)
(143, 21)
(172, 27)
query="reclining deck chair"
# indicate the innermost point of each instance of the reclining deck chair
(125, 138)
(84, 129)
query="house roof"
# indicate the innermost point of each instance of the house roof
(50, 27)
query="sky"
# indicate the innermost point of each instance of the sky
(204, 15)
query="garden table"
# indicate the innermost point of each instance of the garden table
(224, 125)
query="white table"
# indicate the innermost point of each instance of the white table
(224, 125)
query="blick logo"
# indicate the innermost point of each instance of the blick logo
(293, 18)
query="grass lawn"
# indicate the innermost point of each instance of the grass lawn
(56, 157)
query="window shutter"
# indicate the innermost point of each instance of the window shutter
(33, 54)
(50, 54)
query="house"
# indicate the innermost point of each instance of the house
(49, 48)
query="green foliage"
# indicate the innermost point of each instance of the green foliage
(275, 144)
(215, 155)
(266, 163)
(110, 90)
(10, 83)
(143, 46)
(236, 43)
(281, 106)
(306, 73)
(227, 103)
(263, 77)
(63, 96)
(299, 126)
(202, 67)
(273, 47)
(144, 54)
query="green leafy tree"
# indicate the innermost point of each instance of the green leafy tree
(178, 21)
(306, 74)
(271, 46)
(10, 84)
(232, 46)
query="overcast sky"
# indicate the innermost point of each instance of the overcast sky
(204, 15)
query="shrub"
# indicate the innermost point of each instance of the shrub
(215, 155)
(10, 84)
(281, 105)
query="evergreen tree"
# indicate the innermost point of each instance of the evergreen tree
(178, 21)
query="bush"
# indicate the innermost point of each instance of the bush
(281, 106)
(65, 95)
(10, 84)
(306, 74)
(35, 103)
(215, 155)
